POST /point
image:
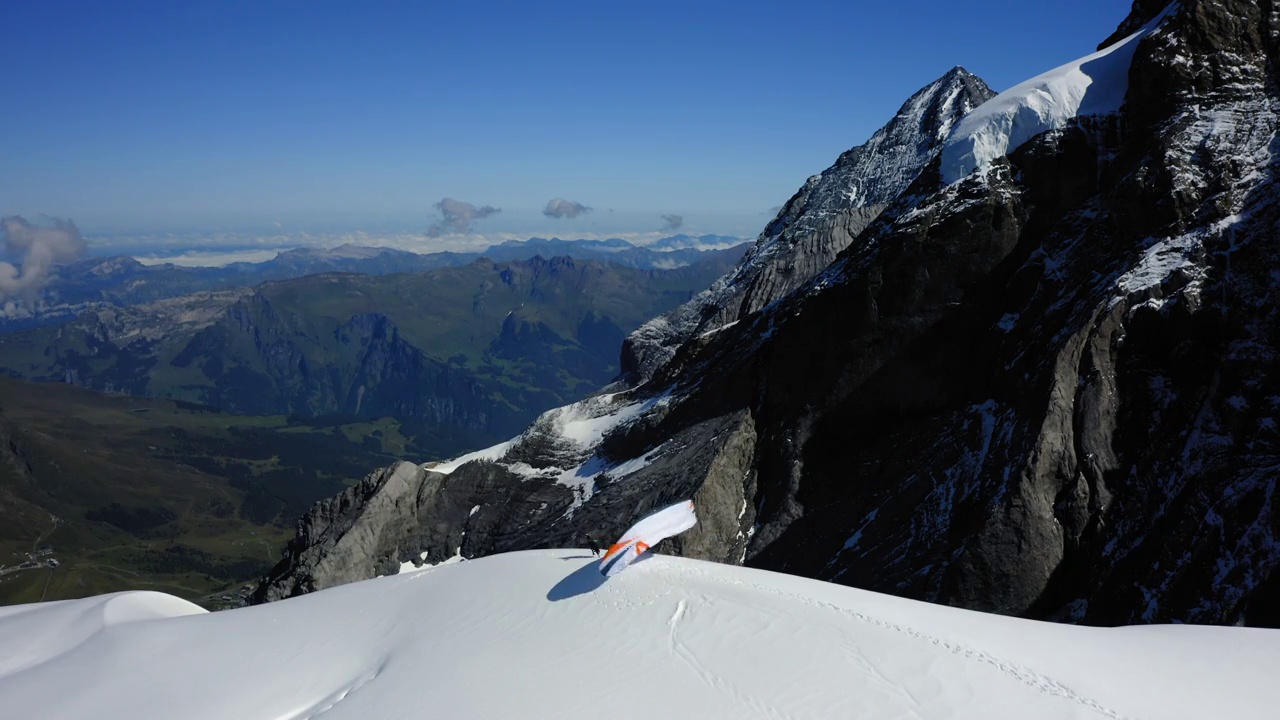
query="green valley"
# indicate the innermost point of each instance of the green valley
(108, 492)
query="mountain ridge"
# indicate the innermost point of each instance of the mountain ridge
(121, 280)
(819, 221)
(486, 346)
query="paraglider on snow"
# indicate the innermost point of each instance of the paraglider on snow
(648, 532)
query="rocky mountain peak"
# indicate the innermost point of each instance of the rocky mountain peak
(1143, 12)
(874, 173)
(819, 221)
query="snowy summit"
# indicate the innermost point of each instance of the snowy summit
(540, 634)
(1093, 85)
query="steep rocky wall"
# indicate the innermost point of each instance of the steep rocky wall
(1016, 397)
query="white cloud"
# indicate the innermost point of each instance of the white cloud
(561, 208)
(456, 217)
(39, 248)
(212, 258)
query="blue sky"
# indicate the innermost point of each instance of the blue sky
(211, 117)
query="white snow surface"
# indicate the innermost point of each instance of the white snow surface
(1093, 85)
(408, 567)
(540, 634)
(582, 424)
(1161, 260)
(491, 454)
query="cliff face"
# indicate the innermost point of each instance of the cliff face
(1042, 381)
(1046, 389)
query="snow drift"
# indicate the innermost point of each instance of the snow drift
(541, 634)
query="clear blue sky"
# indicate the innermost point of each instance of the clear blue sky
(194, 116)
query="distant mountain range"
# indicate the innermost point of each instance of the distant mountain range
(122, 280)
(484, 347)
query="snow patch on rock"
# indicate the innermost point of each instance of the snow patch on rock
(567, 439)
(491, 454)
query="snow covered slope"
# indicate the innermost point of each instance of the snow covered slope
(539, 634)
(1092, 85)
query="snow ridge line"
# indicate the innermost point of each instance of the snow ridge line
(1026, 676)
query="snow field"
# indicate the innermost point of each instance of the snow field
(541, 634)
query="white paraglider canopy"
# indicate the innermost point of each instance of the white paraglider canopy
(662, 524)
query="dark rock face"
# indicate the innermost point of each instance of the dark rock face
(1143, 12)
(20, 518)
(1050, 389)
(368, 370)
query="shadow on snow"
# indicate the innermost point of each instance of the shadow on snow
(580, 582)
(585, 579)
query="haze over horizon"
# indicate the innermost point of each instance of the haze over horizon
(461, 125)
